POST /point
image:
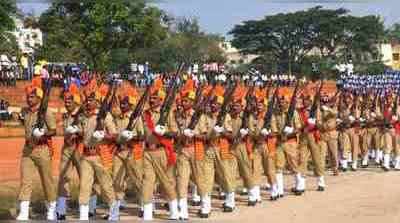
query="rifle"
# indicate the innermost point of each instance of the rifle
(41, 120)
(292, 106)
(224, 108)
(199, 109)
(171, 94)
(317, 99)
(247, 110)
(396, 102)
(105, 106)
(270, 109)
(138, 109)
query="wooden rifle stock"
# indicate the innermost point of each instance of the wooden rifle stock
(317, 99)
(270, 109)
(292, 106)
(105, 106)
(138, 109)
(169, 100)
(41, 121)
(224, 108)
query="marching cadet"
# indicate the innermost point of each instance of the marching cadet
(37, 152)
(97, 155)
(219, 137)
(72, 147)
(190, 147)
(344, 114)
(373, 130)
(329, 134)
(264, 141)
(243, 147)
(159, 155)
(355, 131)
(387, 131)
(310, 141)
(207, 161)
(396, 134)
(288, 142)
(128, 157)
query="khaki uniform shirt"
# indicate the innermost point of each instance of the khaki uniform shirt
(30, 119)
(68, 120)
(170, 126)
(88, 125)
(122, 121)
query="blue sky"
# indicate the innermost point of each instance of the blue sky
(219, 16)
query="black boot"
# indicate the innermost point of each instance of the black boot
(320, 188)
(196, 203)
(203, 215)
(227, 209)
(61, 217)
(251, 203)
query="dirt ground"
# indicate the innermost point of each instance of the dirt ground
(368, 195)
(365, 196)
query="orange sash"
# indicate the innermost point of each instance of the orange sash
(167, 143)
(224, 149)
(106, 154)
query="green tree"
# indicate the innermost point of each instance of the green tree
(8, 10)
(90, 30)
(290, 37)
(186, 42)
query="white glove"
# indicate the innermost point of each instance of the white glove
(160, 130)
(373, 115)
(395, 118)
(324, 107)
(99, 135)
(188, 133)
(351, 118)
(362, 119)
(338, 120)
(218, 129)
(72, 129)
(126, 135)
(37, 133)
(244, 132)
(312, 121)
(265, 132)
(288, 130)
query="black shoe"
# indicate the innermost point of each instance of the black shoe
(385, 169)
(196, 203)
(251, 203)
(273, 198)
(281, 196)
(105, 217)
(320, 188)
(353, 169)
(92, 215)
(298, 192)
(244, 193)
(140, 214)
(364, 166)
(202, 215)
(222, 197)
(166, 206)
(227, 209)
(183, 219)
(61, 217)
(343, 169)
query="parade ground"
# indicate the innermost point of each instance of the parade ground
(368, 196)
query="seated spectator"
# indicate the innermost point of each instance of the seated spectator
(4, 113)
